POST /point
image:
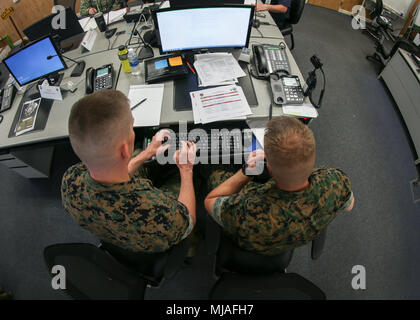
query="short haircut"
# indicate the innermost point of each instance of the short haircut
(97, 123)
(289, 146)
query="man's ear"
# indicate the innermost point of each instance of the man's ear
(124, 150)
(268, 168)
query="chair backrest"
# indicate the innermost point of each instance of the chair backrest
(66, 3)
(91, 273)
(379, 7)
(153, 267)
(296, 10)
(400, 43)
(230, 257)
(287, 286)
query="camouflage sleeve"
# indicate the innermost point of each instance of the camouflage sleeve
(230, 212)
(180, 224)
(84, 8)
(343, 189)
(217, 209)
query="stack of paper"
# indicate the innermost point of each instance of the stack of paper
(302, 110)
(148, 113)
(218, 104)
(215, 69)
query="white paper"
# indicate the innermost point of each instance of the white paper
(304, 110)
(220, 103)
(50, 92)
(217, 69)
(115, 15)
(89, 39)
(148, 113)
(88, 23)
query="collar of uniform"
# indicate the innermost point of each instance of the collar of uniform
(133, 183)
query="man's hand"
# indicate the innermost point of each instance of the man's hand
(155, 146)
(185, 157)
(255, 162)
(92, 11)
(261, 7)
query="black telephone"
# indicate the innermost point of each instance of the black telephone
(286, 89)
(269, 59)
(99, 79)
(7, 96)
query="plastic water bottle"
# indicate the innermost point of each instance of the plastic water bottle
(134, 62)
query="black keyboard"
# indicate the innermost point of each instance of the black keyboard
(217, 145)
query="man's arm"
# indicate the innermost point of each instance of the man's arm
(84, 8)
(235, 183)
(153, 148)
(184, 159)
(277, 8)
(231, 186)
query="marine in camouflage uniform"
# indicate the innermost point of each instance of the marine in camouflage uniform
(103, 5)
(263, 219)
(134, 215)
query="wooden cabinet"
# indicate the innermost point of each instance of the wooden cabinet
(345, 5)
(26, 12)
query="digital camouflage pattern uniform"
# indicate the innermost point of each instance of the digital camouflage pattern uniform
(104, 5)
(133, 215)
(266, 220)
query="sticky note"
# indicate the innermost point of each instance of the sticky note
(175, 61)
(161, 64)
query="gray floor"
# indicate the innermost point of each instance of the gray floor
(359, 130)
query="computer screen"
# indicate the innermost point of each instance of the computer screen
(203, 27)
(37, 60)
(44, 27)
(191, 3)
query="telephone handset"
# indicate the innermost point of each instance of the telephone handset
(7, 96)
(270, 58)
(99, 79)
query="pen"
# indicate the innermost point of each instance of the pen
(189, 66)
(139, 103)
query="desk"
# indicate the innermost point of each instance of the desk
(402, 77)
(57, 125)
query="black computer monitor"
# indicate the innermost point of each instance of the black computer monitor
(44, 27)
(203, 27)
(193, 3)
(37, 60)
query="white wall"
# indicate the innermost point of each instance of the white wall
(402, 6)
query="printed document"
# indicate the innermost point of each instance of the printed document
(218, 104)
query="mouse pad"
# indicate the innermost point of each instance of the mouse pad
(183, 87)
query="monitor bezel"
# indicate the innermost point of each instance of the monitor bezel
(45, 75)
(155, 20)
